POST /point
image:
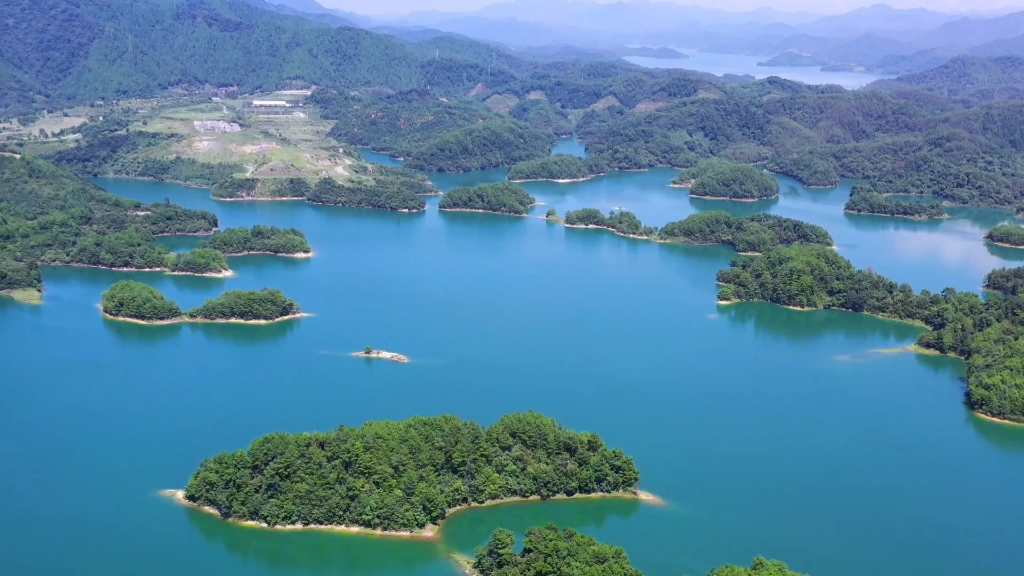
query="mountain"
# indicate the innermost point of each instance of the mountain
(1003, 47)
(969, 32)
(969, 79)
(879, 18)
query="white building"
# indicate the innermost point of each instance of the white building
(270, 104)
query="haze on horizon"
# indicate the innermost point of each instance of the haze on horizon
(399, 7)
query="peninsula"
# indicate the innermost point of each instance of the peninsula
(260, 240)
(137, 302)
(342, 479)
(988, 334)
(369, 352)
(1010, 235)
(866, 199)
(497, 197)
(720, 179)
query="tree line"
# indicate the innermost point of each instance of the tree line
(556, 167)
(137, 301)
(864, 199)
(258, 239)
(500, 197)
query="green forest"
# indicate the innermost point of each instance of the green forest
(198, 261)
(556, 167)
(986, 333)
(717, 178)
(137, 301)
(810, 170)
(622, 221)
(864, 199)
(258, 240)
(1008, 234)
(749, 234)
(1007, 281)
(362, 192)
(500, 197)
(404, 476)
(230, 188)
(549, 551)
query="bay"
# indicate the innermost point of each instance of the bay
(768, 431)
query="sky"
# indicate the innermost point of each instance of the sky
(815, 6)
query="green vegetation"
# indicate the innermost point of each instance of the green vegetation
(1008, 234)
(480, 146)
(719, 178)
(258, 239)
(755, 233)
(248, 305)
(255, 188)
(622, 222)
(759, 567)
(404, 476)
(810, 170)
(543, 115)
(557, 167)
(865, 200)
(987, 334)
(204, 261)
(358, 192)
(548, 550)
(138, 301)
(501, 197)
(1008, 281)
(50, 216)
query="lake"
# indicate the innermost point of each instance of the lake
(767, 430)
(741, 64)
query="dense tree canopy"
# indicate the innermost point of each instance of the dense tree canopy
(258, 239)
(556, 167)
(359, 192)
(249, 305)
(501, 142)
(809, 169)
(755, 233)
(1009, 281)
(1009, 234)
(986, 333)
(759, 567)
(405, 475)
(198, 261)
(729, 180)
(552, 552)
(501, 197)
(255, 188)
(865, 200)
(622, 221)
(138, 301)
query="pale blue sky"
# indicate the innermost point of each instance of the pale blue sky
(815, 6)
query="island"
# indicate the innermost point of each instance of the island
(345, 479)
(370, 352)
(201, 262)
(548, 546)
(812, 171)
(363, 192)
(748, 234)
(792, 58)
(720, 179)
(557, 168)
(137, 302)
(261, 189)
(661, 52)
(1010, 235)
(623, 222)
(865, 199)
(260, 240)
(988, 334)
(1006, 281)
(497, 197)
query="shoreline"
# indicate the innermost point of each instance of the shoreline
(224, 274)
(613, 230)
(221, 274)
(997, 420)
(258, 199)
(776, 197)
(294, 255)
(483, 211)
(916, 323)
(383, 355)
(24, 295)
(922, 218)
(188, 320)
(429, 532)
(424, 209)
(1001, 244)
(558, 180)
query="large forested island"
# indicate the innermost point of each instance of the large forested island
(406, 476)
(135, 301)
(566, 552)
(722, 179)
(988, 334)
(365, 193)
(1010, 235)
(259, 240)
(748, 234)
(865, 199)
(371, 187)
(500, 197)
(558, 167)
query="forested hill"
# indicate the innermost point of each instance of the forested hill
(55, 52)
(966, 80)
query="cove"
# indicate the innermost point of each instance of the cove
(768, 431)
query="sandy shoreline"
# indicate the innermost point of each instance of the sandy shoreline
(734, 199)
(221, 274)
(224, 274)
(1002, 244)
(558, 180)
(295, 255)
(994, 419)
(427, 533)
(944, 216)
(383, 355)
(187, 320)
(616, 232)
(258, 199)
(482, 211)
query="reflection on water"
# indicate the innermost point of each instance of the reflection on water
(570, 146)
(732, 207)
(1005, 252)
(771, 320)
(141, 333)
(1006, 437)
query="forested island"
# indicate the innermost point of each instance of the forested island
(1010, 235)
(354, 193)
(747, 234)
(722, 179)
(200, 261)
(499, 197)
(259, 240)
(621, 222)
(404, 477)
(135, 301)
(988, 334)
(548, 550)
(810, 170)
(232, 188)
(375, 185)
(1007, 281)
(558, 167)
(864, 199)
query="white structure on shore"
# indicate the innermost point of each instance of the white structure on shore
(270, 104)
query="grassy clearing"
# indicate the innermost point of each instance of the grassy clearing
(24, 295)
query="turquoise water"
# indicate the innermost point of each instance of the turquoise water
(741, 64)
(768, 431)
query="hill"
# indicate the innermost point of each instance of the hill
(968, 80)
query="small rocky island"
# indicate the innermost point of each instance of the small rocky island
(369, 352)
